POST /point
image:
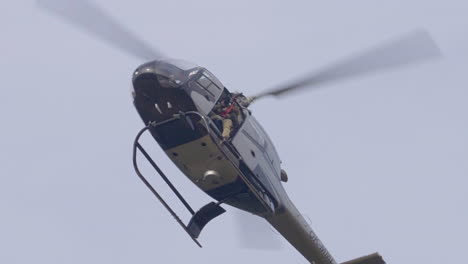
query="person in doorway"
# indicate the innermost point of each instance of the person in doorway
(226, 111)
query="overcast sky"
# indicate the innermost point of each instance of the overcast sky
(378, 163)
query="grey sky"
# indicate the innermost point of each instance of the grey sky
(378, 164)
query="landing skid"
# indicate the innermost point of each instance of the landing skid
(199, 219)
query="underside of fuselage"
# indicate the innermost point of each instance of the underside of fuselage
(193, 149)
(243, 171)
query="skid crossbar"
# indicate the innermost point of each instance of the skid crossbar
(137, 146)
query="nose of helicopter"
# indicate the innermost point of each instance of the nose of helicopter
(148, 79)
(145, 83)
(145, 71)
(160, 73)
(158, 92)
(145, 78)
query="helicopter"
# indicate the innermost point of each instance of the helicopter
(177, 102)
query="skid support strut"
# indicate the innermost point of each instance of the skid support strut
(136, 145)
(200, 218)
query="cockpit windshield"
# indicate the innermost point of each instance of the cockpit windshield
(181, 64)
(174, 73)
(166, 82)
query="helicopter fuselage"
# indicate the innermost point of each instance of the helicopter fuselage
(215, 167)
(244, 172)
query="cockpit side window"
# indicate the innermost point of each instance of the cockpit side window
(204, 82)
(210, 83)
(205, 91)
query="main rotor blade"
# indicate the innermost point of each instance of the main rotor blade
(413, 48)
(89, 17)
(256, 233)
